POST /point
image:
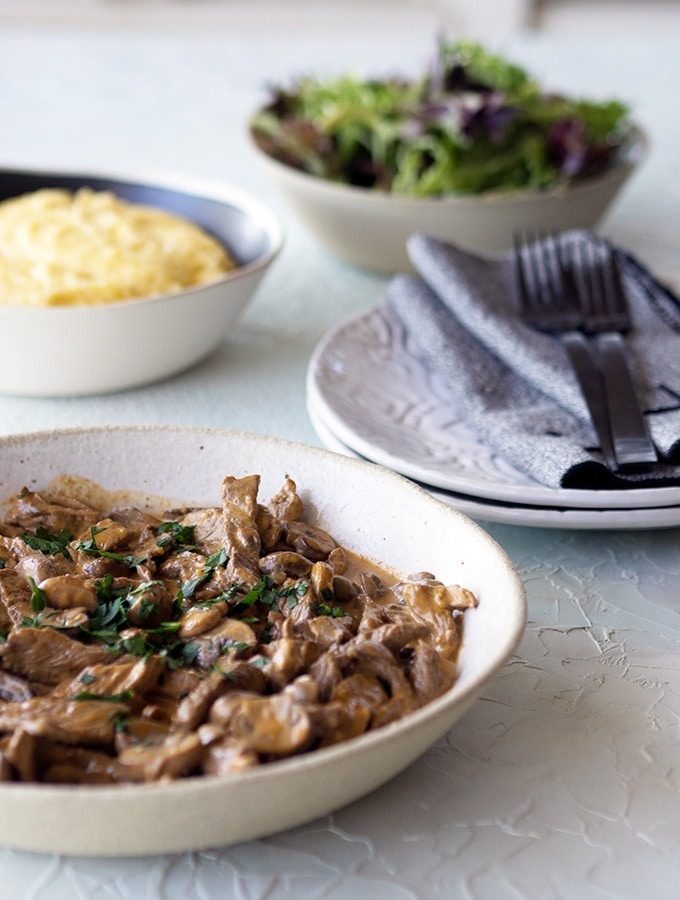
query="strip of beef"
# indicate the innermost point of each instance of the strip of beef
(67, 721)
(30, 510)
(32, 563)
(15, 598)
(239, 509)
(209, 533)
(46, 657)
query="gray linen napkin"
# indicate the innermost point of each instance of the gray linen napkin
(513, 385)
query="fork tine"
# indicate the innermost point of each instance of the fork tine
(581, 268)
(617, 292)
(525, 294)
(547, 258)
(546, 299)
(608, 308)
(537, 272)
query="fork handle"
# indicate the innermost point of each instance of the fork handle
(583, 359)
(632, 443)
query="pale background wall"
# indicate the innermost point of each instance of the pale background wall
(477, 18)
(467, 15)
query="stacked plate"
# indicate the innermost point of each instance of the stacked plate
(367, 396)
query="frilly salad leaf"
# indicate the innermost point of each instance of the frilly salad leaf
(473, 123)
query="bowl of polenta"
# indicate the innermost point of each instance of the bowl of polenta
(110, 283)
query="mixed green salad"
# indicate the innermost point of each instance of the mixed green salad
(474, 123)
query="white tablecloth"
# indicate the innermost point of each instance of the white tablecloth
(562, 782)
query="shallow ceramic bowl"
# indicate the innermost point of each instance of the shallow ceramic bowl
(369, 228)
(383, 516)
(60, 351)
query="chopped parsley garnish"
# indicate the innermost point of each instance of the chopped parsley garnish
(324, 609)
(110, 619)
(268, 594)
(47, 543)
(172, 535)
(123, 697)
(38, 598)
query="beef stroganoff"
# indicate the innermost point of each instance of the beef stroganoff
(204, 641)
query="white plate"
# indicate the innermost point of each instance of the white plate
(530, 516)
(189, 464)
(379, 400)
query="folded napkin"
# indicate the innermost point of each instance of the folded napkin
(513, 385)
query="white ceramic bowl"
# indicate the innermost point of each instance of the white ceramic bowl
(61, 351)
(369, 229)
(381, 515)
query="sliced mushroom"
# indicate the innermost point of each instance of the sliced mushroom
(228, 757)
(110, 535)
(69, 591)
(149, 605)
(311, 542)
(199, 619)
(272, 726)
(34, 564)
(329, 632)
(269, 527)
(180, 754)
(283, 565)
(288, 658)
(230, 636)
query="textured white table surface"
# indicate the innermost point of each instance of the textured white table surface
(563, 780)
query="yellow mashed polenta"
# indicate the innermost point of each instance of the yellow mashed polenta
(63, 249)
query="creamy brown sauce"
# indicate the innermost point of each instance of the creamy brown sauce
(140, 646)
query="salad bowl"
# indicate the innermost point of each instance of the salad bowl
(369, 228)
(472, 152)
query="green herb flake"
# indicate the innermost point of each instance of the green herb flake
(38, 597)
(47, 543)
(123, 697)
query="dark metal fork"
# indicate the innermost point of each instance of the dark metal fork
(606, 316)
(572, 297)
